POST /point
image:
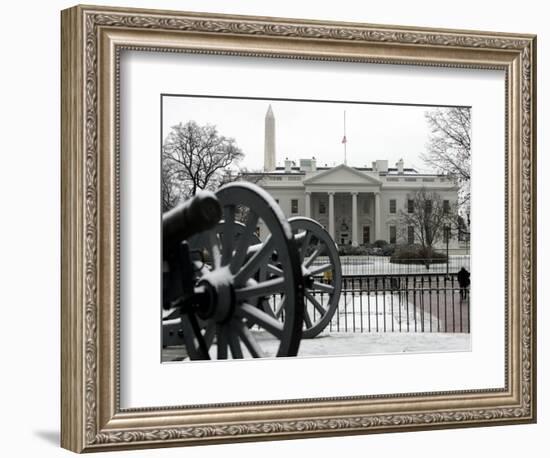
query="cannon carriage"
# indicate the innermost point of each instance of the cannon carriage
(229, 294)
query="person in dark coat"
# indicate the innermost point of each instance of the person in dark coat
(464, 282)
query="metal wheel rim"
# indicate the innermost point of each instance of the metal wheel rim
(315, 323)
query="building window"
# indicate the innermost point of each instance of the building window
(322, 207)
(294, 206)
(410, 235)
(393, 206)
(446, 206)
(366, 206)
(428, 206)
(393, 234)
(366, 235)
(410, 206)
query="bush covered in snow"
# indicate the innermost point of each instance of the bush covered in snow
(417, 254)
(378, 248)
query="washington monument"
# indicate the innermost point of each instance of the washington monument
(269, 146)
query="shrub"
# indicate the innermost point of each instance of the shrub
(380, 248)
(388, 249)
(417, 254)
(349, 250)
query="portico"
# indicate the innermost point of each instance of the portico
(347, 192)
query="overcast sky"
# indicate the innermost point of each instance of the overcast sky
(307, 129)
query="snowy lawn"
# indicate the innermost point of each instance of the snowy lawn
(381, 265)
(345, 343)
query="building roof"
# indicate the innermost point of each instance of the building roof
(392, 171)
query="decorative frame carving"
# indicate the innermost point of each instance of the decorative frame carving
(92, 38)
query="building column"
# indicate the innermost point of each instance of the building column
(308, 204)
(331, 214)
(377, 234)
(354, 219)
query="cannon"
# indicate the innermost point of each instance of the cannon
(213, 281)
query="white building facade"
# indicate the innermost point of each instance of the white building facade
(357, 205)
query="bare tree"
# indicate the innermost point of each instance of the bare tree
(195, 157)
(170, 191)
(241, 174)
(428, 215)
(449, 147)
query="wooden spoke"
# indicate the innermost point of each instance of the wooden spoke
(318, 250)
(315, 303)
(273, 270)
(244, 242)
(280, 307)
(194, 341)
(228, 233)
(304, 243)
(221, 341)
(323, 287)
(234, 344)
(248, 339)
(213, 247)
(255, 262)
(209, 334)
(307, 318)
(320, 269)
(265, 288)
(203, 347)
(262, 319)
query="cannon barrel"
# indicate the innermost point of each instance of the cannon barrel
(200, 213)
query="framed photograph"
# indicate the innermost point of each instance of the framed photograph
(277, 228)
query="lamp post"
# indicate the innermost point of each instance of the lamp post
(447, 235)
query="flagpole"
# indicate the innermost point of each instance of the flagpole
(345, 142)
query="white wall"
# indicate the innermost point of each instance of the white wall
(29, 228)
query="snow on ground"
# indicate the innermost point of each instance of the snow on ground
(346, 343)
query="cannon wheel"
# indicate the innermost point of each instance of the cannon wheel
(321, 280)
(231, 273)
(173, 329)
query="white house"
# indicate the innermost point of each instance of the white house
(357, 205)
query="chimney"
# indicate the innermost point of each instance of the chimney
(399, 166)
(288, 165)
(382, 166)
(308, 165)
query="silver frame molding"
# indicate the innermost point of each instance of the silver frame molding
(92, 39)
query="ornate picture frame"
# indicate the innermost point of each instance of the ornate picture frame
(92, 41)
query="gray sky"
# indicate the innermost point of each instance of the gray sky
(307, 129)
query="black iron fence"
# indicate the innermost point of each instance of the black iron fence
(429, 302)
